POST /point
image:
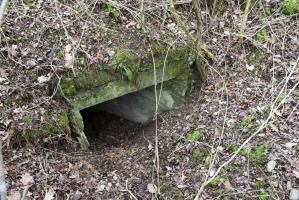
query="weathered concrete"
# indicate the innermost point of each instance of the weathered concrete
(141, 106)
(130, 97)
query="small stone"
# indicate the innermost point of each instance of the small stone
(296, 173)
(152, 188)
(294, 194)
(111, 53)
(271, 165)
(290, 145)
(250, 67)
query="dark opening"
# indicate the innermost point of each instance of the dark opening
(105, 129)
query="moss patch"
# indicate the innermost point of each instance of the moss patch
(290, 7)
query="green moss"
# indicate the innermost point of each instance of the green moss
(200, 154)
(296, 95)
(113, 11)
(207, 161)
(215, 182)
(68, 87)
(290, 6)
(262, 36)
(262, 195)
(194, 136)
(17, 97)
(83, 81)
(232, 148)
(259, 154)
(261, 184)
(30, 134)
(246, 151)
(246, 121)
(54, 124)
(126, 63)
(26, 119)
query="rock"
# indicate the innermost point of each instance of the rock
(271, 165)
(294, 194)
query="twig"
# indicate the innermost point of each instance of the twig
(129, 191)
(263, 125)
(157, 160)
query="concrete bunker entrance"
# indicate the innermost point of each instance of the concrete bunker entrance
(119, 119)
(106, 129)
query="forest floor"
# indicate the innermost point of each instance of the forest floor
(252, 89)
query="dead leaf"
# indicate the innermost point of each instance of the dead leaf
(14, 195)
(43, 79)
(49, 194)
(152, 188)
(227, 185)
(27, 179)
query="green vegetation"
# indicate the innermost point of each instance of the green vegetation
(201, 155)
(194, 136)
(290, 7)
(280, 98)
(232, 148)
(246, 121)
(262, 36)
(26, 119)
(259, 154)
(246, 151)
(262, 195)
(296, 95)
(261, 183)
(207, 161)
(215, 182)
(113, 11)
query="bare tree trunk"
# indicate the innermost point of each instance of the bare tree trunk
(199, 42)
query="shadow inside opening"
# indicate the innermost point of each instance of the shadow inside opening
(105, 129)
